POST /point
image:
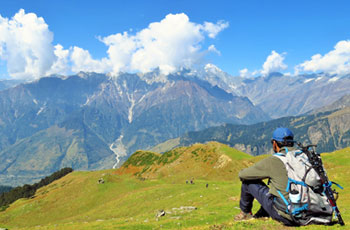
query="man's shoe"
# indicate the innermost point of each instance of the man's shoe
(261, 213)
(242, 216)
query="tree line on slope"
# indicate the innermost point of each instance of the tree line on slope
(27, 191)
(5, 189)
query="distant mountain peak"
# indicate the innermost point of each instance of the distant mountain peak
(154, 76)
(211, 68)
(274, 74)
(86, 75)
(83, 75)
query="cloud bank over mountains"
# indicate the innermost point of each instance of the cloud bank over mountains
(169, 44)
(26, 46)
(273, 63)
(174, 42)
(336, 61)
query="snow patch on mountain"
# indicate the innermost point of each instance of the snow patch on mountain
(141, 99)
(333, 79)
(308, 80)
(153, 77)
(131, 108)
(168, 86)
(212, 68)
(319, 78)
(118, 148)
(40, 110)
(91, 98)
(87, 101)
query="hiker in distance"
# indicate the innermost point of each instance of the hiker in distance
(297, 194)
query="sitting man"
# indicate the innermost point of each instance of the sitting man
(273, 169)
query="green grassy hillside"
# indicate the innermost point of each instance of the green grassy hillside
(212, 161)
(131, 196)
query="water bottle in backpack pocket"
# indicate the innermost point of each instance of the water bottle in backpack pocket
(295, 199)
(304, 205)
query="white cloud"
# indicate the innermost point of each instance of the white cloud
(174, 42)
(169, 44)
(82, 61)
(3, 37)
(273, 63)
(247, 74)
(244, 73)
(61, 65)
(336, 61)
(1, 49)
(212, 48)
(26, 45)
(213, 29)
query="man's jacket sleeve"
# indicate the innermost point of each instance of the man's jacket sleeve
(260, 170)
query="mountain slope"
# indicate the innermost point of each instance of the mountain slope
(330, 131)
(35, 106)
(339, 104)
(123, 201)
(184, 105)
(281, 95)
(5, 84)
(100, 120)
(49, 150)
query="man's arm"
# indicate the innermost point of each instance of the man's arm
(260, 170)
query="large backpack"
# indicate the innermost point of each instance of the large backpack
(307, 203)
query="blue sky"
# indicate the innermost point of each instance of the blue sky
(296, 30)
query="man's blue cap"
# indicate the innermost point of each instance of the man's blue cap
(280, 133)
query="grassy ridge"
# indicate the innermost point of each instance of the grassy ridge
(78, 201)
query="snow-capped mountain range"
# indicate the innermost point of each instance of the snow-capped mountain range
(95, 121)
(281, 95)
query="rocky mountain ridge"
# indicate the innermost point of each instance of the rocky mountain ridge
(281, 95)
(94, 121)
(328, 130)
